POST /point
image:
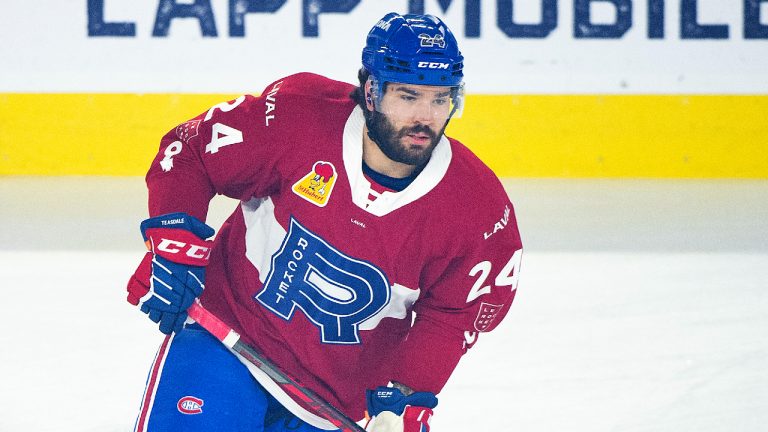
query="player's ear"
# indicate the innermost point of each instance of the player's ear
(368, 95)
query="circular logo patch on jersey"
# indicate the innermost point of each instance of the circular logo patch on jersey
(190, 405)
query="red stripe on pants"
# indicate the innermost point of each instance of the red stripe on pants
(149, 392)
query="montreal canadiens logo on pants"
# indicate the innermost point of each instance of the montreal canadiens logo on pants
(190, 405)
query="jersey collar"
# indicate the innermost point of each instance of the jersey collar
(387, 202)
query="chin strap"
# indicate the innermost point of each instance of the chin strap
(371, 130)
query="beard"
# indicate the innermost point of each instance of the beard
(383, 133)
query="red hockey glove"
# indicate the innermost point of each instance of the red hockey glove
(172, 274)
(392, 411)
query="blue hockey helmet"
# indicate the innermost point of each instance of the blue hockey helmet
(414, 49)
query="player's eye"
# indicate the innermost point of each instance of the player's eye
(408, 98)
(440, 102)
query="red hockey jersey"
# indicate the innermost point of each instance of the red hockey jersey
(343, 287)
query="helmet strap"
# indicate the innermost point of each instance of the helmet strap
(372, 130)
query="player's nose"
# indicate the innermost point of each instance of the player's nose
(423, 113)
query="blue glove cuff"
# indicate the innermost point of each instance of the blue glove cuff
(177, 220)
(392, 399)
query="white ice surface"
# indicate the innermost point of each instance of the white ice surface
(655, 337)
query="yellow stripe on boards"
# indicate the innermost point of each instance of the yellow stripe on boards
(650, 136)
(89, 134)
(641, 136)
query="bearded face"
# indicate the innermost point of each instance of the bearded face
(411, 145)
(409, 121)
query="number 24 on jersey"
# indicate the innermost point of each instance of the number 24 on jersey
(507, 276)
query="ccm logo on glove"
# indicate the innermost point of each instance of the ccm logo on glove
(179, 246)
(392, 411)
(174, 247)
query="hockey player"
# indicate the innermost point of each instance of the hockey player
(367, 254)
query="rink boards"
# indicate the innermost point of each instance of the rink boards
(571, 88)
(662, 136)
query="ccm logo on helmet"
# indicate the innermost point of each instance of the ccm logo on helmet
(433, 65)
(174, 247)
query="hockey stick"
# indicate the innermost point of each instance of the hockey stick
(305, 397)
